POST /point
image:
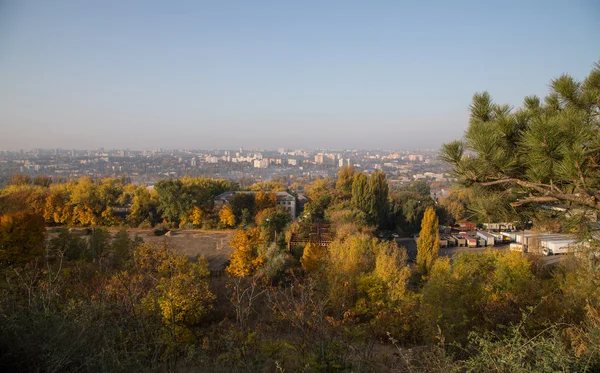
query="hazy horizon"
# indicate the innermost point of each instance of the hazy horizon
(385, 75)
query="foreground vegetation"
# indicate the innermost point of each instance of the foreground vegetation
(110, 303)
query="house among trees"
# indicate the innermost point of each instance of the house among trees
(284, 199)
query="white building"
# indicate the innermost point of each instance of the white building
(261, 163)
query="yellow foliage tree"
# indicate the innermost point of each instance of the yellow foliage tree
(22, 238)
(196, 216)
(313, 258)
(175, 286)
(245, 260)
(264, 200)
(391, 269)
(428, 244)
(226, 216)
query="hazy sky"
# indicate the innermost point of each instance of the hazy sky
(224, 74)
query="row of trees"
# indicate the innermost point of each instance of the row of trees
(187, 202)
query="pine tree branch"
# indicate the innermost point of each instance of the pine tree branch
(533, 199)
(589, 199)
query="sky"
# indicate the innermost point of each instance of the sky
(269, 74)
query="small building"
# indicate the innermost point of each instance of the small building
(466, 225)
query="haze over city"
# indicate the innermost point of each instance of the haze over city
(143, 75)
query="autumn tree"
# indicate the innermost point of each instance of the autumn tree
(268, 186)
(344, 181)
(456, 203)
(19, 179)
(245, 260)
(272, 221)
(196, 217)
(428, 243)
(144, 208)
(477, 291)
(42, 180)
(175, 287)
(56, 210)
(226, 216)
(264, 200)
(22, 238)
(314, 257)
(319, 194)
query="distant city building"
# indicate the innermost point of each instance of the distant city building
(261, 163)
(319, 158)
(344, 162)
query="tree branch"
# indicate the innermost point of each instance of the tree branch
(533, 200)
(550, 194)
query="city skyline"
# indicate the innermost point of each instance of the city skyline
(146, 75)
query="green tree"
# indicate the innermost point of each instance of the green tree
(544, 152)
(68, 244)
(319, 194)
(99, 244)
(241, 202)
(121, 248)
(143, 210)
(428, 243)
(360, 193)
(174, 201)
(378, 191)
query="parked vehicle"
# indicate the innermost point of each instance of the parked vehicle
(517, 247)
(558, 247)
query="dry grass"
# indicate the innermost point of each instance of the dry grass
(213, 245)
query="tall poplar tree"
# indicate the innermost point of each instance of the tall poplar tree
(428, 244)
(360, 192)
(378, 198)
